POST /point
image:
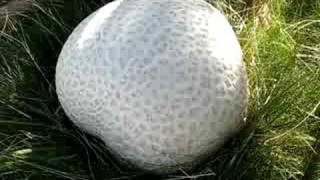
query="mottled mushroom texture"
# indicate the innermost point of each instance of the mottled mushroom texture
(161, 82)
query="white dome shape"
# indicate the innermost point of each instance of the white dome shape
(161, 82)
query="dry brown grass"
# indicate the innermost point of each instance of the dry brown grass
(12, 7)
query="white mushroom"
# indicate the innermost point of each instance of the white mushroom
(161, 82)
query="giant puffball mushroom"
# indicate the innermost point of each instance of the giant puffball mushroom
(161, 82)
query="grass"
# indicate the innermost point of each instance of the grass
(281, 44)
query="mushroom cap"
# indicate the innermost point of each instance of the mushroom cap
(161, 82)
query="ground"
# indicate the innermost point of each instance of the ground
(281, 44)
